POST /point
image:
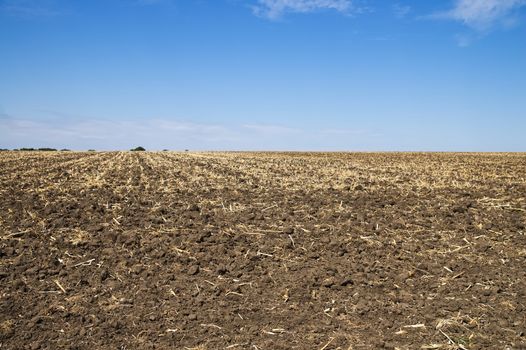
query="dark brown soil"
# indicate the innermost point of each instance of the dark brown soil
(262, 251)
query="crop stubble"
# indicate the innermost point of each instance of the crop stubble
(125, 250)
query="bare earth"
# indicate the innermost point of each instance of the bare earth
(262, 251)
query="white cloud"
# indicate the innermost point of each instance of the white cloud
(27, 12)
(481, 14)
(29, 8)
(61, 130)
(400, 11)
(268, 129)
(274, 9)
(344, 131)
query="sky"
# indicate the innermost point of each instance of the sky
(320, 75)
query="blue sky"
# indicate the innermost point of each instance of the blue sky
(264, 74)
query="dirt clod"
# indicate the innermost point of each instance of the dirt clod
(193, 270)
(208, 251)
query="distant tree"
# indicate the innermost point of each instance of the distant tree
(65, 150)
(27, 149)
(165, 150)
(136, 149)
(47, 149)
(91, 150)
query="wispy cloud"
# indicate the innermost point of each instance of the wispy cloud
(86, 133)
(274, 9)
(29, 8)
(401, 11)
(481, 15)
(271, 129)
(62, 130)
(343, 132)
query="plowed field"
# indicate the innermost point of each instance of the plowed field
(146, 250)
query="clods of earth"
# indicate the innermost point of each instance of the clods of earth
(257, 251)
